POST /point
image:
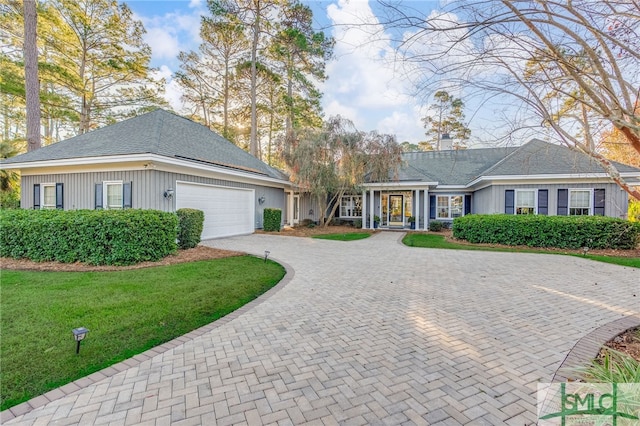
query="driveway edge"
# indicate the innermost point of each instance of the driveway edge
(589, 345)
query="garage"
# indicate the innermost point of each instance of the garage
(227, 211)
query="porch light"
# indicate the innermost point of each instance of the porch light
(261, 200)
(79, 334)
(168, 194)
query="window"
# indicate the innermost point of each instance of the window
(443, 207)
(580, 202)
(449, 206)
(48, 196)
(525, 201)
(113, 195)
(351, 206)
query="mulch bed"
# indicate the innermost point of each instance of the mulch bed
(627, 342)
(181, 256)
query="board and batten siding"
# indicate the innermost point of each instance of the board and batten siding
(491, 200)
(148, 187)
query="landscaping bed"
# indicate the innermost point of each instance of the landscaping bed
(632, 253)
(305, 231)
(181, 256)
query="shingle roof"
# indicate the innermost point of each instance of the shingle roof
(533, 158)
(159, 132)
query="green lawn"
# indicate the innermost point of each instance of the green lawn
(438, 241)
(351, 236)
(127, 312)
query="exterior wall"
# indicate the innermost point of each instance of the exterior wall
(490, 200)
(148, 187)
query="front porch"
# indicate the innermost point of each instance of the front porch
(410, 208)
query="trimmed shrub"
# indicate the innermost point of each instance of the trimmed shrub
(357, 223)
(567, 232)
(99, 237)
(190, 223)
(272, 220)
(435, 226)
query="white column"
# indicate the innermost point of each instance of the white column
(364, 209)
(371, 212)
(416, 207)
(426, 209)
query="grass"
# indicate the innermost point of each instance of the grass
(439, 242)
(127, 312)
(351, 236)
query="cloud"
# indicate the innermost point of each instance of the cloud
(164, 45)
(173, 92)
(364, 80)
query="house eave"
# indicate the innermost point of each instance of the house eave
(483, 181)
(143, 162)
(403, 185)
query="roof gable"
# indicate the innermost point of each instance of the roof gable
(536, 157)
(158, 132)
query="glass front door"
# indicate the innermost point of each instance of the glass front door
(396, 210)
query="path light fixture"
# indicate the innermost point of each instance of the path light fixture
(266, 255)
(168, 194)
(79, 334)
(585, 250)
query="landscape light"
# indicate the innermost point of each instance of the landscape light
(79, 334)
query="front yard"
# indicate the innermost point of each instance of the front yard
(126, 311)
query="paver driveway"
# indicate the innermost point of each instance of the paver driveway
(372, 332)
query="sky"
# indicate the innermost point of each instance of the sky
(364, 84)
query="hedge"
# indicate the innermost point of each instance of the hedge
(567, 232)
(190, 223)
(99, 237)
(272, 219)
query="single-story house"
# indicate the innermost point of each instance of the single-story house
(162, 161)
(158, 160)
(535, 178)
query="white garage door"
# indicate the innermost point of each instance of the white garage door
(227, 211)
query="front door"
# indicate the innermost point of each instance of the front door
(396, 210)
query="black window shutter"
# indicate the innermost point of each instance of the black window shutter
(543, 201)
(126, 195)
(598, 202)
(59, 197)
(36, 196)
(563, 202)
(467, 204)
(432, 206)
(98, 199)
(509, 196)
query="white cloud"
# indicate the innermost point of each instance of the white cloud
(173, 92)
(164, 45)
(364, 82)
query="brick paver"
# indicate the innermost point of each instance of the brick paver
(369, 332)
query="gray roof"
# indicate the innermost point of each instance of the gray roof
(535, 157)
(159, 132)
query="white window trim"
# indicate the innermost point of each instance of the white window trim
(449, 198)
(42, 205)
(351, 206)
(590, 190)
(535, 199)
(105, 197)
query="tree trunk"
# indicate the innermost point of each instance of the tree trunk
(225, 101)
(253, 140)
(32, 84)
